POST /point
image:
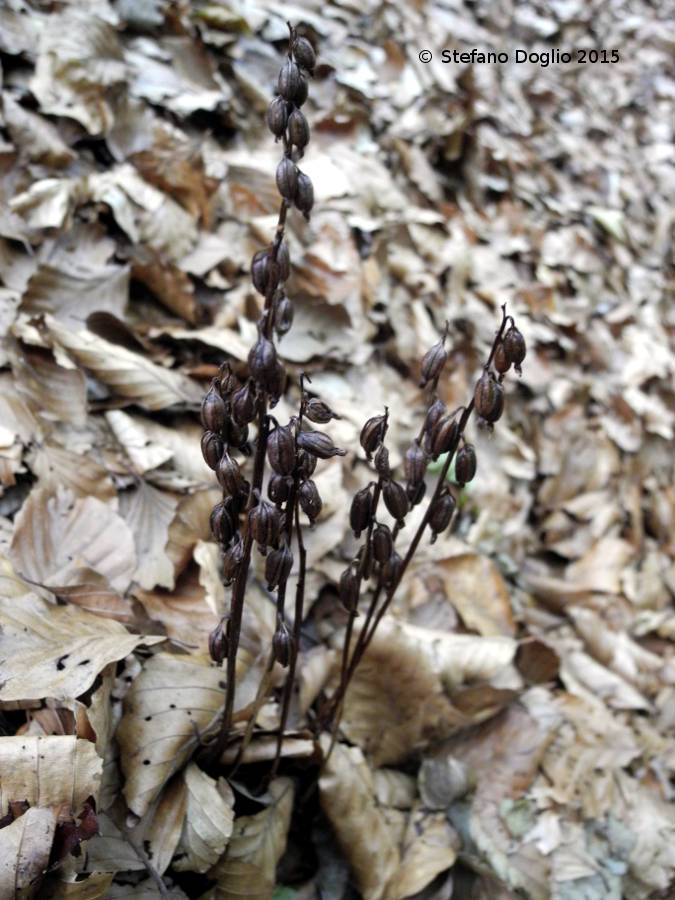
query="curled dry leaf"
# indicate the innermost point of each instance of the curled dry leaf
(149, 513)
(237, 879)
(57, 392)
(429, 848)
(347, 796)
(143, 453)
(57, 467)
(208, 820)
(24, 852)
(173, 704)
(129, 374)
(184, 612)
(56, 535)
(57, 651)
(48, 771)
(477, 591)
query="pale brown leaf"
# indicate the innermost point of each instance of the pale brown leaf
(24, 852)
(148, 512)
(208, 820)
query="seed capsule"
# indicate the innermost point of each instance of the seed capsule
(441, 513)
(382, 462)
(361, 511)
(395, 500)
(433, 362)
(218, 644)
(415, 492)
(212, 448)
(228, 474)
(262, 360)
(283, 315)
(372, 434)
(237, 435)
(278, 566)
(275, 383)
(444, 436)
(279, 489)
(281, 450)
(318, 411)
(319, 444)
(391, 569)
(265, 272)
(289, 79)
(277, 116)
(514, 347)
(309, 499)
(488, 398)
(287, 178)
(298, 129)
(301, 92)
(465, 464)
(243, 403)
(306, 463)
(502, 364)
(282, 642)
(415, 463)
(366, 560)
(304, 53)
(304, 195)
(436, 411)
(383, 543)
(349, 588)
(213, 410)
(232, 561)
(263, 521)
(284, 260)
(222, 526)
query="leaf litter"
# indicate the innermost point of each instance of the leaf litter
(510, 728)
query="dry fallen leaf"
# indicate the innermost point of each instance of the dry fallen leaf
(208, 821)
(24, 852)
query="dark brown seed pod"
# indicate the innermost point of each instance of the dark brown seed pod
(319, 444)
(243, 403)
(265, 271)
(287, 178)
(444, 436)
(298, 129)
(441, 513)
(263, 522)
(436, 411)
(309, 499)
(278, 566)
(289, 80)
(366, 560)
(382, 462)
(262, 360)
(395, 499)
(222, 526)
(212, 448)
(275, 383)
(231, 562)
(213, 410)
(277, 116)
(304, 53)
(229, 475)
(226, 382)
(284, 260)
(433, 362)
(279, 489)
(281, 450)
(372, 434)
(383, 543)
(514, 347)
(502, 364)
(349, 588)
(318, 411)
(237, 435)
(282, 642)
(415, 492)
(306, 463)
(391, 569)
(304, 195)
(465, 464)
(488, 398)
(415, 463)
(218, 644)
(302, 91)
(361, 510)
(283, 315)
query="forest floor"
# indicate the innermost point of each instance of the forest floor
(511, 730)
